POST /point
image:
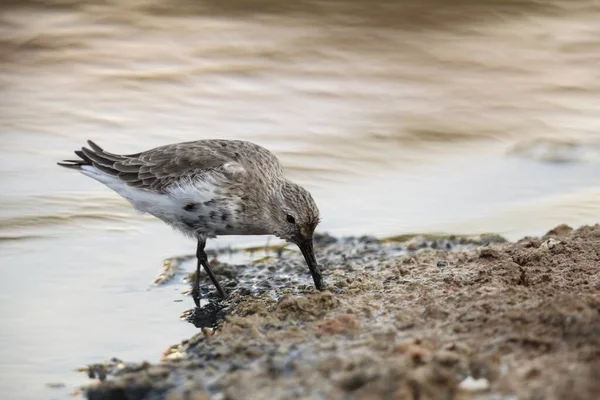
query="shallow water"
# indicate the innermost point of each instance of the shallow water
(399, 116)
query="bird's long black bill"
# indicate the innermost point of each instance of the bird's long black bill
(306, 247)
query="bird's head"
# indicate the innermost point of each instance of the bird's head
(294, 214)
(294, 217)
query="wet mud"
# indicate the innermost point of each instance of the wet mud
(403, 318)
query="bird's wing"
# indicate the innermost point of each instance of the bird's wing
(160, 168)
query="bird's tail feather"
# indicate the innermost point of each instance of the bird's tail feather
(95, 157)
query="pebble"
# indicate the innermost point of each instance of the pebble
(550, 244)
(471, 384)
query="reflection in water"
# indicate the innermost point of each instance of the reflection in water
(463, 116)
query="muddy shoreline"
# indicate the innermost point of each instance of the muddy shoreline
(408, 318)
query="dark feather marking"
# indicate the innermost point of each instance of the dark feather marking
(104, 169)
(190, 206)
(70, 164)
(122, 167)
(105, 154)
(128, 177)
(137, 184)
(95, 147)
(82, 155)
(97, 158)
(146, 175)
(189, 223)
(149, 182)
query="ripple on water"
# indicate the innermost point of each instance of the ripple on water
(555, 150)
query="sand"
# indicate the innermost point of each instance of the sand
(422, 319)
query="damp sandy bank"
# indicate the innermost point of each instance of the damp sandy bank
(428, 318)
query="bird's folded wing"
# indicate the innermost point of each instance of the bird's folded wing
(160, 168)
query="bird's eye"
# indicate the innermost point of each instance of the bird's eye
(290, 219)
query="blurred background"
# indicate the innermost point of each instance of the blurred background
(455, 116)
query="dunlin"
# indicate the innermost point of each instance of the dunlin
(208, 188)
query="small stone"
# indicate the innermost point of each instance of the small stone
(354, 380)
(550, 244)
(470, 384)
(254, 352)
(344, 324)
(489, 253)
(415, 244)
(560, 230)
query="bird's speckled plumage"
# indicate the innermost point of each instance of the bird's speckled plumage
(208, 188)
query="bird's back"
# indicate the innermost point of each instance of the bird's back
(159, 168)
(200, 187)
(207, 154)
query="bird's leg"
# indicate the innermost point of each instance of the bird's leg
(196, 288)
(203, 261)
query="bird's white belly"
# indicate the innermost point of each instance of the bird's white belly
(194, 208)
(194, 211)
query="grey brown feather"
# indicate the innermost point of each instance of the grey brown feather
(248, 191)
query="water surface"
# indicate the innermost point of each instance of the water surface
(411, 116)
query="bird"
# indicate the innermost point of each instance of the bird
(209, 188)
